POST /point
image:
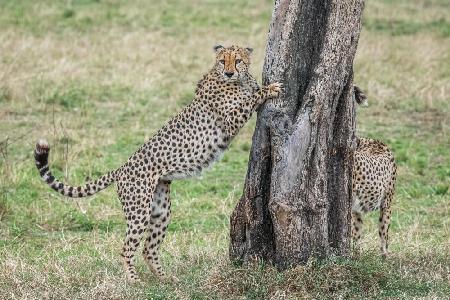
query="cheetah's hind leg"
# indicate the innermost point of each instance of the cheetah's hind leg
(160, 218)
(383, 226)
(136, 205)
(357, 224)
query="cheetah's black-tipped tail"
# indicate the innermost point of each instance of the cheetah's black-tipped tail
(360, 97)
(41, 159)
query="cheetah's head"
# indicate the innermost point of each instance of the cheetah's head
(232, 62)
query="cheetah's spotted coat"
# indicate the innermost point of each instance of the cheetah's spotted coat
(374, 175)
(224, 100)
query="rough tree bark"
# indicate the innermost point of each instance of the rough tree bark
(297, 195)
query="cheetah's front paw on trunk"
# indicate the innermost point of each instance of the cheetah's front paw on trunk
(274, 89)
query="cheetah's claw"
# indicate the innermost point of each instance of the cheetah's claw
(274, 89)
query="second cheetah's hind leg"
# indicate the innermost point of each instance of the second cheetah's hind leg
(160, 217)
(356, 231)
(383, 226)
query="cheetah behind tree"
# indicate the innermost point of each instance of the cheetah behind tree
(373, 181)
(191, 141)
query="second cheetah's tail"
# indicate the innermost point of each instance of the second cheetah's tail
(41, 159)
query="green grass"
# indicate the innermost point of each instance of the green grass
(98, 78)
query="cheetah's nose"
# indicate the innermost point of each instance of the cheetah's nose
(229, 74)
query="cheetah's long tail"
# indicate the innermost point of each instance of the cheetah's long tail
(41, 158)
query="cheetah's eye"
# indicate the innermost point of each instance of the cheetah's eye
(238, 61)
(222, 61)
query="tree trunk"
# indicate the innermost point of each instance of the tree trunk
(297, 195)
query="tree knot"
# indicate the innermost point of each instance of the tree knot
(278, 121)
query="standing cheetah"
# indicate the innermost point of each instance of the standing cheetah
(373, 181)
(191, 141)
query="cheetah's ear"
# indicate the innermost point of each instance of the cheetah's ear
(249, 50)
(217, 48)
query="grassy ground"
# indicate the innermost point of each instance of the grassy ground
(98, 78)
